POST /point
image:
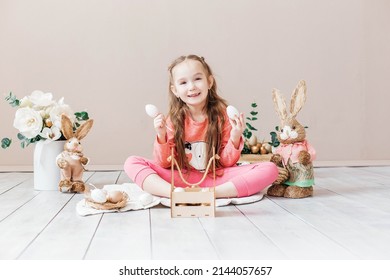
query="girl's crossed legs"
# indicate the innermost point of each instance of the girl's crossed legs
(236, 181)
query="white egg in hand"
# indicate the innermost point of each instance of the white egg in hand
(232, 112)
(151, 110)
(145, 199)
(99, 196)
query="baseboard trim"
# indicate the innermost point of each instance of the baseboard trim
(29, 168)
(336, 163)
(352, 163)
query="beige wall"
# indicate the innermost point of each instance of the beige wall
(110, 57)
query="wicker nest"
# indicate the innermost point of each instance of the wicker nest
(107, 205)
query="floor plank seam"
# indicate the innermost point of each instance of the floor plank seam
(19, 207)
(92, 237)
(353, 200)
(261, 232)
(210, 240)
(39, 233)
(11, 188)
(89, 177)
(119, 175)
(316, 229)
(150, 234)
(373, 172)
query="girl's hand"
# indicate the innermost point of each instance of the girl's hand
(238, 126)
(161, 128)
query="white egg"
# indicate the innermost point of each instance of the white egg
(151, 110)
(145, 199)
(253, 140)
(179, 190)
(268, 147)
(232, 112)
(99, 196)
(115, 196)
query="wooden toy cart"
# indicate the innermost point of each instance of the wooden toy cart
(192, 201)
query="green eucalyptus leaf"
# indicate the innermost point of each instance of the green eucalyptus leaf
(35, 139)
(12, 100)
(250, 126)
(274, 139)
(81, 116)
(247, 134)
(29, 141)
(245, 150)
(21, 136)
(5, 143)
(252, 117)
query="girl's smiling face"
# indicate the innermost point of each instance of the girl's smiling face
(191, 84)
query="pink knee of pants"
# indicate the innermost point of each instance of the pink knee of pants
(254, 178)
(138, 168)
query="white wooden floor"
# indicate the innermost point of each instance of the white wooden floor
(348, 218)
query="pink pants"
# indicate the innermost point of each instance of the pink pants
(248, 179)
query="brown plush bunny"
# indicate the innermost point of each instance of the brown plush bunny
(294, 153)
(71, 160)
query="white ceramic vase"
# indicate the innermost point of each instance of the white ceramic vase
(46, 172)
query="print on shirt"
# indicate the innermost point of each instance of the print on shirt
(196, 154)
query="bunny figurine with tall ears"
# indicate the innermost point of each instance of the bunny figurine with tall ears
(72, 160)
(294, 153)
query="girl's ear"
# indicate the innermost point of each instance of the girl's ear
(298, 98)
(280, 104)
(83, 130)
(66, 126)
(211, 81)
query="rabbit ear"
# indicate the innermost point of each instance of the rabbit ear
(66, 126)
(280, 104)
(83, 130)
(298, 98)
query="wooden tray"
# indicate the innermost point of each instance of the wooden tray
(254, 158)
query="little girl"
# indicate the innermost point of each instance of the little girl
(197, 121)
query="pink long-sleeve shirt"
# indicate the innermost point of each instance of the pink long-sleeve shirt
(196, 147)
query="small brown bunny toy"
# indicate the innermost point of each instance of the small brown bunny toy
(71, 160)
(294, 153)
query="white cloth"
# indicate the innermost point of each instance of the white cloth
(133, 191)
(219, 202)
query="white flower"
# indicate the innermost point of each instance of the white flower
(28, 121)
(51, 134)
(41, 99)
(39, 117)
(25, 102)
(57, 110)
